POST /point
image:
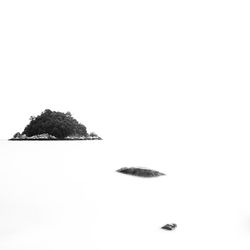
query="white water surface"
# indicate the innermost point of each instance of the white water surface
(68, 195)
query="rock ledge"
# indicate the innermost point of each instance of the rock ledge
(141, 172)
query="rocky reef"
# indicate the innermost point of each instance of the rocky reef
(141, 172)
(169, 227)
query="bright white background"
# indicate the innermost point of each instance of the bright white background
(175, 73)
(128, 68)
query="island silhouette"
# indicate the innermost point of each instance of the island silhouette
(54, 125)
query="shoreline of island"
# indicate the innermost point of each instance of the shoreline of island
(48, 137)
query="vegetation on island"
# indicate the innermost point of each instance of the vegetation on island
(55, 125)
(141, 172)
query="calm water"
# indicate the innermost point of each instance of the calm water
(67, 195)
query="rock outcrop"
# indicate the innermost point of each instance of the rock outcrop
(141, 172)
(169, 226)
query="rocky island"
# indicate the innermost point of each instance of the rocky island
(52, 125)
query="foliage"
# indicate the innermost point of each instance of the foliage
(55, 123)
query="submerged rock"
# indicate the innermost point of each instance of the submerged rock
(141, 172)
(169, 226)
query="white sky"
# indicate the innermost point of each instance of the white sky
(128, 69)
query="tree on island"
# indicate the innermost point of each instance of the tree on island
(54, 123)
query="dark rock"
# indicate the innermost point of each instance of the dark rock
(141, 172)
(169, 226)
(17, 135)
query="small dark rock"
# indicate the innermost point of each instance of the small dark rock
(141, 172)
(169, 227)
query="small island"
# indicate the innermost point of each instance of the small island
(53, 125)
